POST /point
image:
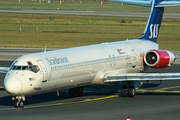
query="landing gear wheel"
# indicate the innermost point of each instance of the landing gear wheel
(131, 92)
(21, 104)
(72, 92)
(79, 91)
(16, 104)
(19, 101)
(123, 91)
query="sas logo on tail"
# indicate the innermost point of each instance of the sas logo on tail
(120, 51)
(154, 29)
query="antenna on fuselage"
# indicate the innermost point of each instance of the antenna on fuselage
(45, 50)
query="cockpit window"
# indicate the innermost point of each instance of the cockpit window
(33, 68)
(18, 68)
(29, 63)
(14, 67)
(24, 67)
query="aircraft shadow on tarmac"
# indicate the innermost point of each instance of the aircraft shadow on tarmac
(50, 97)
(1, 89)
(90, 92)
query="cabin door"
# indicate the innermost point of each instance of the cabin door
(43, 70)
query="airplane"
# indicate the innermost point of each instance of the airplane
(101, 64)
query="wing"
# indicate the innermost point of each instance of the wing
(4, 69)
(119, 77)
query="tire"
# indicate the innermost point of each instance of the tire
(79, 91)
(16, 104)
(131, 92)
(21, 104)
(123, 91)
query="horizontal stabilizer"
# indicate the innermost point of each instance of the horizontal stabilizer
(119, 77)
(141, 3)
(168, 4)
(4, 69)
(148, 3)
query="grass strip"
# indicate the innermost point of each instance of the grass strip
(61, 31)
(75, 5)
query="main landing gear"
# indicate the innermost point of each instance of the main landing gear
(76, 91)
(19, 101)
(128, 90)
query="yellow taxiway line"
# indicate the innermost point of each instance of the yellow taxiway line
(86, 100)
(57, 104)
(163, 90)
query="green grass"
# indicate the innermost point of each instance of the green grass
(60, 31)
(108, 6)
(73, 6)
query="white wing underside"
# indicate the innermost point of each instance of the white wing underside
(119, 77)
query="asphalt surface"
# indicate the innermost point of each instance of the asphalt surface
(10, 54)
(154, 101)
(88, 13)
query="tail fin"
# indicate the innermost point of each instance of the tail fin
(153, 24)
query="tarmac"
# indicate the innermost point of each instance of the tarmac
(89, 13)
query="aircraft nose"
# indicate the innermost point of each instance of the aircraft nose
(12, 86)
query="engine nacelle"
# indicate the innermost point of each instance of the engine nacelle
(159, 58)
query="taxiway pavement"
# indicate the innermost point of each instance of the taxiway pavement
(88, 13)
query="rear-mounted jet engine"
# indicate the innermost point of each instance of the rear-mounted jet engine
(159, 58)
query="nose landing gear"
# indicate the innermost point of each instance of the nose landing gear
(19, 101)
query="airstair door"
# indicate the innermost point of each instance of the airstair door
(134, 59)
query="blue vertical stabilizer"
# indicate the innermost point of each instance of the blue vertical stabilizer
(153, 24)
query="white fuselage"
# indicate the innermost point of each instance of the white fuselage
(75, 67)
